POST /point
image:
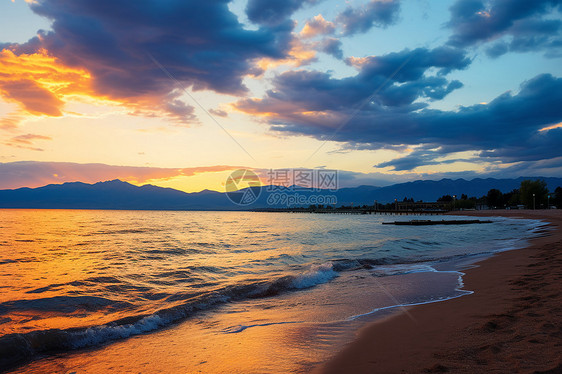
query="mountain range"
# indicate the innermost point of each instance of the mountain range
(117, 194)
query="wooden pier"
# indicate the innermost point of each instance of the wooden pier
(417, 222)
(352, 211)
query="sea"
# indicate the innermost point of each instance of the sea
(198, 291)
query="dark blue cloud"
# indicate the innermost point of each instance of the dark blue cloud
(552, 167)
(521, 25)
(362, 19)
(531, 35)
(505, 130)
(421, 157)
(408, 65)
(273, 12)
(393, 80)
(332, 47)
(199, 42)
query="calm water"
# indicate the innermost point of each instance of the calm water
(73, 279)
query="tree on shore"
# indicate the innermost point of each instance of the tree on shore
(533, 193)
(495, 198)
(512, 198)
(556, 198)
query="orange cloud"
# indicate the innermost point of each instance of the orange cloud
(34, 98)
(28, 138)
(317, 26)
(358, 62)
(39, 83)
(10, 122)
(552, 127)
(42, 85)
(300, 54)
(26, 141)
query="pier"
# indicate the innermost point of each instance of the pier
(417, 222)
(352, 211)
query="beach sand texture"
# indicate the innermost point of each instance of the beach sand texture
(511, 324)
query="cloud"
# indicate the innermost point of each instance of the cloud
(218, 112)
(201, 43)
(393, 80)
(35, 174)
(332, 47)
(34, 98)
(301, 53)
(273, 12)
(550, 167)
(380, 13)
(513, 25)
(10, 122)
(317, 26)
(38, 82)
(26, 141)
(423, 157)
(386, 107)
(408, 65)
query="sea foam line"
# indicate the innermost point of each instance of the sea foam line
(462, 292)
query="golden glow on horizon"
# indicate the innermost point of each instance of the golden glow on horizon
(195, 182)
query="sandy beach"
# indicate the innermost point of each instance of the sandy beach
(512, 323)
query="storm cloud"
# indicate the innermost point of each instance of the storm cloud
(201, 43)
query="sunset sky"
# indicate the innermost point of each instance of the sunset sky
(179, 93)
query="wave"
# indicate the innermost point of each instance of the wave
(63, 304)
(18, 348)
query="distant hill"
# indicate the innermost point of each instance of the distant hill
(113, 194)
(122, 195)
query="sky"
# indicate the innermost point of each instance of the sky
(180, 93)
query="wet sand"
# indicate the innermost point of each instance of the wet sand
(511, 324)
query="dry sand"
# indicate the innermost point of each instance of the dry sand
(511, 324)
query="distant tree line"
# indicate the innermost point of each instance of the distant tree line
(532, 194)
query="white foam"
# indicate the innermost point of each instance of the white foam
(101, 334)
(398, 269)
(241, 328)
(318, 274)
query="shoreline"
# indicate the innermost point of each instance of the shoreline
(512, 323)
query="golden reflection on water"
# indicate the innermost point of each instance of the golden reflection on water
(133, 258)
(53, 253)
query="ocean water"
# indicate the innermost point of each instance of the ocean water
(72, 279)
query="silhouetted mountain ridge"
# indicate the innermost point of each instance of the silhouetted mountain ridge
(116, 194)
